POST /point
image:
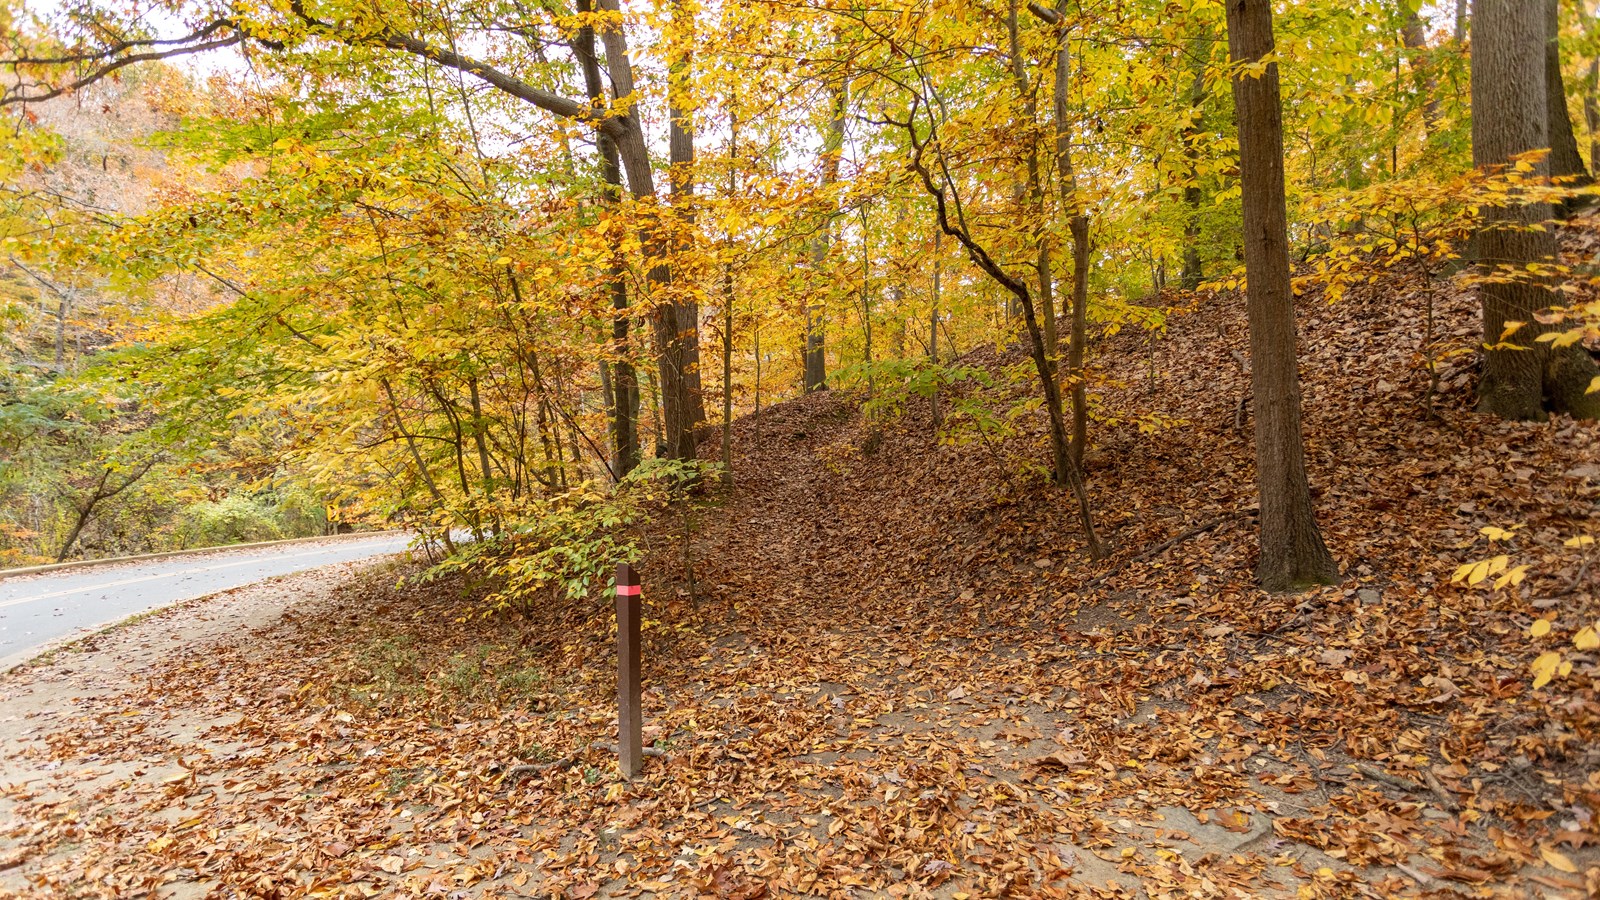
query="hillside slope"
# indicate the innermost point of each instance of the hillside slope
(898, 675)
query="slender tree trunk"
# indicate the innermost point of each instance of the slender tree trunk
(933, 318)
(1193, 265)
(1591, 112)
(815, 375)
(61, 334)
(103, 491)
(623, 388)
(727, 314)
(1591, 93)
(1293, 555)
(1030, 194)
(1065, 471)
(84, 511)
(1522, 376)
(674, 320)
(676, 323)
(416, 458)
(866, 299)
(1078, 226)
(1415, 39)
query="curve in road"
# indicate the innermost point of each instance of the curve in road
(36, 610)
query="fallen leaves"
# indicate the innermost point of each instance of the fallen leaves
(858, 703)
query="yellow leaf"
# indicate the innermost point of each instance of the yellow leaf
(1544, 668)
(1587, 639)
(1557, 860)
(1594, 385)
(1540, 628)
(503, 261)
(1514, 576)
(1478, 571)
(1582, 540)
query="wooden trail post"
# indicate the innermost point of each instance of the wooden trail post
(630, 748)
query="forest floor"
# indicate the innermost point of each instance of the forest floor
(899, 675)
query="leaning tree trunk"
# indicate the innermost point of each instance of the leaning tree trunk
(1522, 376)
(1293, 555)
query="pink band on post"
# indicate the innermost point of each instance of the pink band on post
(627, 590)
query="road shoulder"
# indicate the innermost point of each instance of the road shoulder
(86, 680)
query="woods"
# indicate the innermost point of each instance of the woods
(516, 172)
(1143, 447)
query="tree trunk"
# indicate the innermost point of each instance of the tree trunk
(677, 322)
(1591, 94)
(623, 393)
(1415, 39)
(1030, 194)
(1066, 472)
(815, 376)
(1193, 265)
(933, 318)
(1565, 161)
(727, 312)
(1522, 376)
(1078, 225)
(675, 319)
(1293, 555)
(1591, 112)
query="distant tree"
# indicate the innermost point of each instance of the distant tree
(1293, 555)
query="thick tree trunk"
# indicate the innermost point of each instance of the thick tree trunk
(815, 375)
(1293, 555)
(1522, 376)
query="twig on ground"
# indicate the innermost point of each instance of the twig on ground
(1166, 545)
(1446, 799)
(1432, 785)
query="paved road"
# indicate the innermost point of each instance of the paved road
(37, 609)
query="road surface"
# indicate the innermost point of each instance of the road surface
(38, 609)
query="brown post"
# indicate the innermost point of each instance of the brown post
(630, 747)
